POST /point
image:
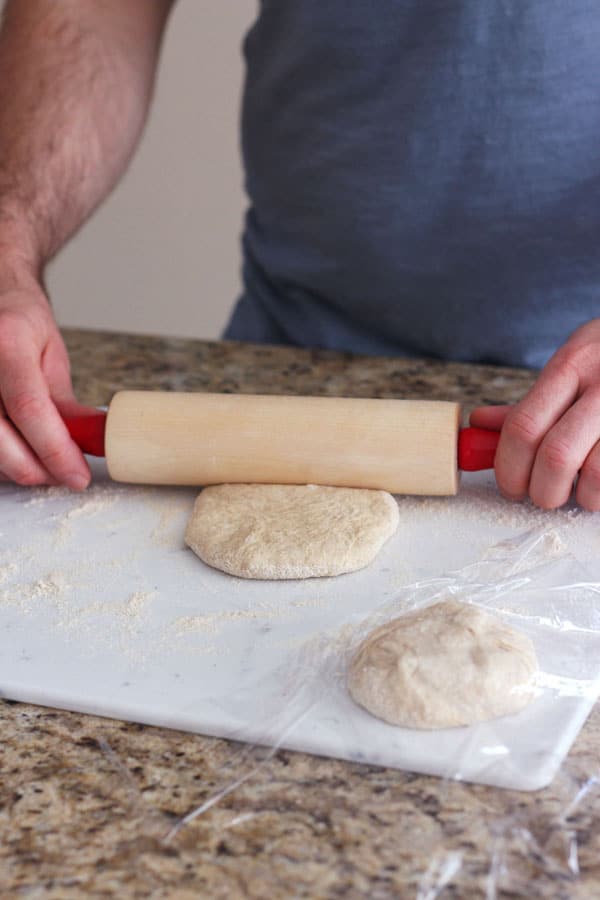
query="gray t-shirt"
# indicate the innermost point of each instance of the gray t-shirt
(424, 176)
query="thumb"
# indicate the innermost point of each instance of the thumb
(491, 417)
(57, 371)
(55, 365)
(72, 407)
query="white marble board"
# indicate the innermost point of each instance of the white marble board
(103, 610)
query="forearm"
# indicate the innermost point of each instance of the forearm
(76, 79)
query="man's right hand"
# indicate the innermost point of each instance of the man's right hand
(76, 81)
(35, 387)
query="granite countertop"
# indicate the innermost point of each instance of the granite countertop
(85, 803)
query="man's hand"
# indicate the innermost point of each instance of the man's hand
(35, 384)
(76, 79)
(552, 436)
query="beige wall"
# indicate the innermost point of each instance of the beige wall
(162, 254)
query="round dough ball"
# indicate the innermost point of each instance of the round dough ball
(443, 666)
(289, 531)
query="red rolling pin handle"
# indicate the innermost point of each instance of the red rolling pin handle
(477, 448)
(88, 431)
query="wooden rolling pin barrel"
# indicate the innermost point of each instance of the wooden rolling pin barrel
(401, 446)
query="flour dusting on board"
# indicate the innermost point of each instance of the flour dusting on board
(487, 504)
(43, 495)
(100, 592)
(51, 587)
(213, 622)
(6, 570)
(108, 571)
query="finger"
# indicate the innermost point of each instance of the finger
(588, 485)
(66, 407)
(32, 412)
(25, 469)
(491, 417)
(528, 422)
(19, 464)
(57, 371)
(49, 482)
(74, 408)
(564, 450)
(27, 465)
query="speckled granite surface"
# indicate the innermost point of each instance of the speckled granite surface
(86, 803)
(104, 362)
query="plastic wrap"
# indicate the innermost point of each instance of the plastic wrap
(534, 583)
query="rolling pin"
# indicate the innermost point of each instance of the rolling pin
(401, 446)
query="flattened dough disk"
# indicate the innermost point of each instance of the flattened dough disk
(275, 531)
(447, 665)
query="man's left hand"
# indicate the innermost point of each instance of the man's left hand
(552, 436)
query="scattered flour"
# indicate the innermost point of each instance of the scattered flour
(51, 586)
(205, 624)
(27, 597)
(91, 506)
(486, 503)
(136, 604)
(168, 516)
(42, 495)
(123, 616)
(96, 497)
(213, 622)
(7, 570)
(86, 597)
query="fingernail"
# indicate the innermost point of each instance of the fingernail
(77, 482)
